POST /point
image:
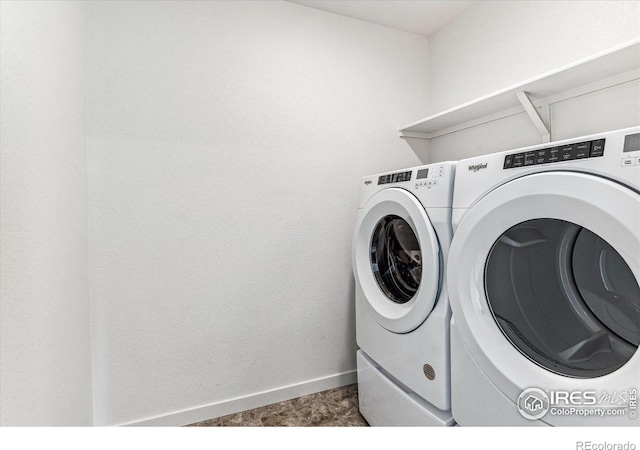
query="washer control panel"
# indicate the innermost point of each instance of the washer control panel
(425, 177)
(429, 177)
(567, 152)
(394, 177)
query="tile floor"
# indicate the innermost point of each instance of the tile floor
(333, 408)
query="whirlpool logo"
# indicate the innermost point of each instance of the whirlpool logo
(368, 182)
(476, 167)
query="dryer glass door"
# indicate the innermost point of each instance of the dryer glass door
(564, 297)
(547, 265)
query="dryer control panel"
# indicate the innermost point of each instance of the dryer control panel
(568, 152)
(613, 154)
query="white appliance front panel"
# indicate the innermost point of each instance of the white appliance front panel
(605, 208)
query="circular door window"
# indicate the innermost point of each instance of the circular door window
(396, 260)
(564, 297)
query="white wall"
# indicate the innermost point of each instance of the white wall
(496, 44)
(45, 359)
(226, 143)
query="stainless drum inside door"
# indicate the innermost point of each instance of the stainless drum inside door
(547, 266)
(397, 260)
(564, 297)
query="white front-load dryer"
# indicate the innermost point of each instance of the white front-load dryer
(543, 281)
(400, 249)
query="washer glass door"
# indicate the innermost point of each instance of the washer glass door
(396, 260)
(564, 297)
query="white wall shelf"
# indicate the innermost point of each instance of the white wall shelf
(610, 64)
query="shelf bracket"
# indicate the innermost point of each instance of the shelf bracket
(414, 135)
(533, 114)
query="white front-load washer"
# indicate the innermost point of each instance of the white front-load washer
(543, 281)
(400, 248)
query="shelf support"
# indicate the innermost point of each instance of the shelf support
(534, 115)
(414, 135)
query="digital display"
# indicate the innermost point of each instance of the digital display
(394, 177)
(422, 173)
(631, 143)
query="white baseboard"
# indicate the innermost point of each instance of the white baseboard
(239, 404)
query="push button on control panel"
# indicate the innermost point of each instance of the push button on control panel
(427, 183)
(566, 152)
(624, 162)
(529, 158)
(569, 152)
(597, 148)
(583, 150)
(518, 160)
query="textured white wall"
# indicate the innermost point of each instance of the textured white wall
(226, 143)
(45, 359)
(496, 44)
